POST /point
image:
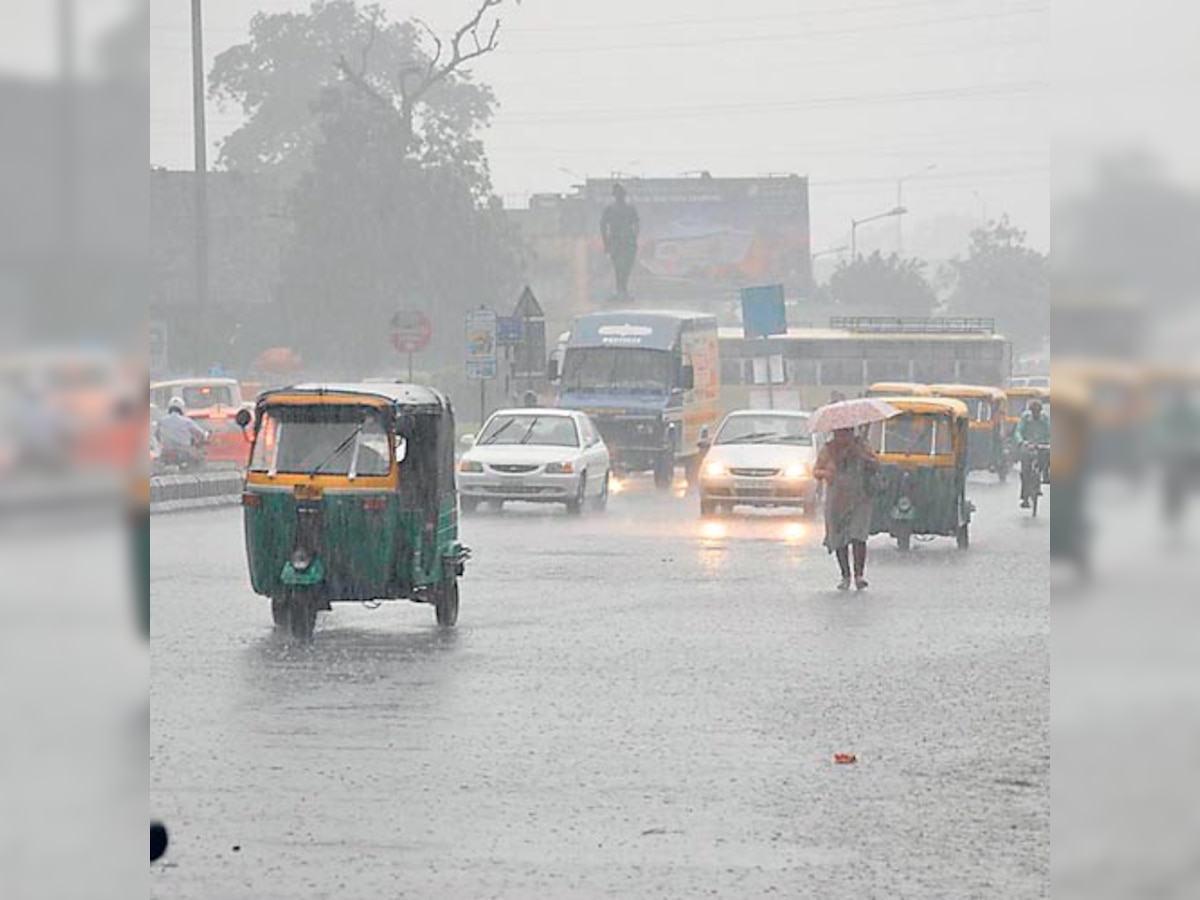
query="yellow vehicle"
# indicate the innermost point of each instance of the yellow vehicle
(1121, 406)
(1069, 452)
(988, 409)
(1019, 399)
(899, 389)
(922, 479)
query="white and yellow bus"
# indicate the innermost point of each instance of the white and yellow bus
(807, 367)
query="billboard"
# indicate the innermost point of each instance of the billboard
(704, 237)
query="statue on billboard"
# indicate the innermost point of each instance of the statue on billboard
(619, 227)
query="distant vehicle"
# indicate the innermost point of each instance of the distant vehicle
(1024, 381)
(214, 404)
(760, 458)
(649, 380)
(854, 352)
(536, 456)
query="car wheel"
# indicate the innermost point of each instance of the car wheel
(600, 503)
(575, 504)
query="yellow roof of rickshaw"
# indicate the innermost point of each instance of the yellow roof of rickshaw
(1027, 390)
(968, 390)
(908, 388)
(376, 394)
(930, 406)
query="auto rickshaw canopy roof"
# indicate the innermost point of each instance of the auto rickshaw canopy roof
(969, 390)
(944, 406)
(907, 388)
(412, 397)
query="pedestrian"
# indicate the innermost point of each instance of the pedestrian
(836, 397)
(847, 465)
(619, 229)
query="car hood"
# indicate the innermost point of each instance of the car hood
(760, 456)
(518, 454)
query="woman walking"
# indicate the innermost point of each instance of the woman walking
(847, 465)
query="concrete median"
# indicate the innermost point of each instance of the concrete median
(173, 493)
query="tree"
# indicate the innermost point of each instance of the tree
(394, 210)
(280, 77)
(1002, 278)
(882, 286)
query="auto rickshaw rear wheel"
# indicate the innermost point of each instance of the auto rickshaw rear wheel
(904, 540)
(300, 611)
(963, 536)
(445, 603)
(279, 612)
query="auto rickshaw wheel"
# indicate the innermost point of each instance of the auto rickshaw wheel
(301, 611)
(904, 540)
(963, 536)
(279, 612)
(445, 603)
(664, 470)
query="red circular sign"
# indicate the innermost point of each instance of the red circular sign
(411, 331)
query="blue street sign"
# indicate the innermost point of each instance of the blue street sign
(509, 330)
(763, 311)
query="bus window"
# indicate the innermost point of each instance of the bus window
(802, 371)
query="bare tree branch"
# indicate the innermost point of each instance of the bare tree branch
(437, 45)
(359, 81)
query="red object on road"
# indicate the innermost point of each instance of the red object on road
(410, 331)
(844, 759)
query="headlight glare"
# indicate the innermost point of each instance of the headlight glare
(470, 466)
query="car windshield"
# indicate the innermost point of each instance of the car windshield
(326, 440)
(765, 429)
(919, 435)
(616, 368)
(529, 428)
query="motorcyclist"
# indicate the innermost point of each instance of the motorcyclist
(181, 438)
(1032, 429)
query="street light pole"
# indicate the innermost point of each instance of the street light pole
(200, 149)
(900, 203)
(896, 211)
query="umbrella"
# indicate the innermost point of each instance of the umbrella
(851, 414)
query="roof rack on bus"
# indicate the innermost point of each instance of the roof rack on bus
(914, 324)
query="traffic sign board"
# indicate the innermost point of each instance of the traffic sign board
(481, 344)
(410, 331)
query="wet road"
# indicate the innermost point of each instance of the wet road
(631, 706)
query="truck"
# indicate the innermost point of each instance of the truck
(650, 380)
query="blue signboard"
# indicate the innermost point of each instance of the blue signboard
(510, 330)
(763, 311)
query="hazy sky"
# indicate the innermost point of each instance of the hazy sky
(852, 93)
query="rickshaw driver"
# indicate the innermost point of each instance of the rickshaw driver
(1033, 429)
(179, 435)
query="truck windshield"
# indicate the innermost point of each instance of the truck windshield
(324, 440)
(617, 368)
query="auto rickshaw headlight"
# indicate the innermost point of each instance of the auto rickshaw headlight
(470, 466)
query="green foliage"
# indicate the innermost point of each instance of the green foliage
(1002, 278)
(883, 286)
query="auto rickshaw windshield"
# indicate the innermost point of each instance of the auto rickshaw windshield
(912, 435)
(326, 440)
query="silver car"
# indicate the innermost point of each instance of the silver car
(760, 458)
(536, 456)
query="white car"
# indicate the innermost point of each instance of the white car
(536, 456)
(760, 458)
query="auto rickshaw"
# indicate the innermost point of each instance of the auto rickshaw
(1019, 399)
(1069, 474)
(899, 389)
(350, 496)
(923, 470)
(987, 449)
(1121, 409)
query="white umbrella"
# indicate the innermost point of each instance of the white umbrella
(851, 414)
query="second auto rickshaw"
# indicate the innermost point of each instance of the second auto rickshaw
(988, 408)
(922, 471)
(350, 496)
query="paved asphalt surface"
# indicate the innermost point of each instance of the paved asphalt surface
(633, 705)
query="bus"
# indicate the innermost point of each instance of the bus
(649, 380)
(806, 367)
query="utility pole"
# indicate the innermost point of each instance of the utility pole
(199, 131)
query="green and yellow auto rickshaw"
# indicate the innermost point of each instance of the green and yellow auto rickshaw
(987, 449)
(899, 389)
(350, 496)
(922, 480)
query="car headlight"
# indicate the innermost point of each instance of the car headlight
(715, 470)
(797, 470)
(470, 466)
(560, 468)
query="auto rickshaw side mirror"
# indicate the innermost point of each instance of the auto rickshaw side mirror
(401, 448)
(243, 418)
